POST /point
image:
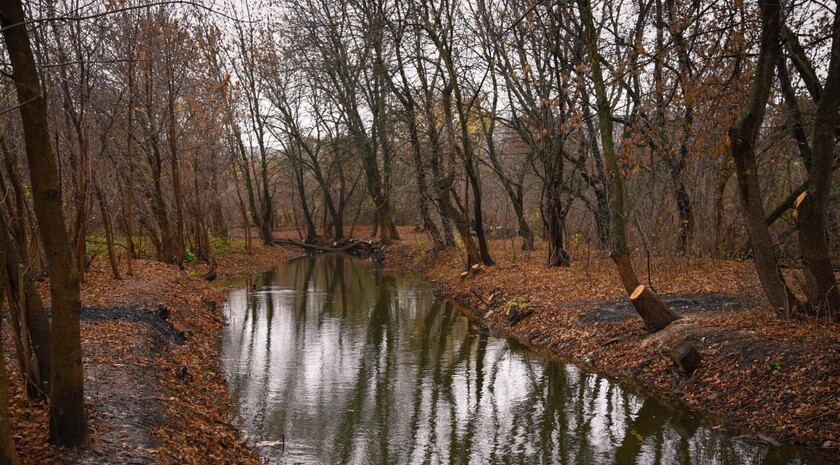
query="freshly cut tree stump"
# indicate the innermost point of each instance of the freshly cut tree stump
(652, 309)
(686, 357)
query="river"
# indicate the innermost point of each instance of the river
(332, 360)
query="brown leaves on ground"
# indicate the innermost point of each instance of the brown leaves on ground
(759, 373)
(150, 400)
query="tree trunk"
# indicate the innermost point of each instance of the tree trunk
(439, 195)
(742, 139)
(475, 183)
(68, 420)
(267, 205)
(598, 181)
(128, 213)
(557, 254)
(619, 253)
(454, 212)
(812, 206)
(525, 231)
(422, 183)
(109, 230)
(168, 249)
(685, 213)
(8, 454)
(175, 167)
(31, 323)
(311, 234)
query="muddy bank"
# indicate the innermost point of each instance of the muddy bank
(760, 375)
(154, 391)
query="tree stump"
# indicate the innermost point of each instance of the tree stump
(652, 309)
(685, 357)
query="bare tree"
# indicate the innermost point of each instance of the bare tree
(68, 419)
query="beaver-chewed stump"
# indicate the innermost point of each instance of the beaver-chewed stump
(685, 357)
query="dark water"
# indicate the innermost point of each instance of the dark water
(349, 364)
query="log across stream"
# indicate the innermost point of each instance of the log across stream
(333, 360)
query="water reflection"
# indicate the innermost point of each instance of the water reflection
(352, 365)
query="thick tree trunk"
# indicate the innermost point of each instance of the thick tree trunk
(478, 215)
(383, 223)
(821, 285)
(175, 166)
(439, 195)
(268, 207)
(742, 138)
(598, 180)
(525, 231)
(68, 420)
(18, 208)
(265, 232)
(168, 249)
(685, 213)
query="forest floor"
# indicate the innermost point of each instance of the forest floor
(760, 374)
(155, 393)
(153, 388)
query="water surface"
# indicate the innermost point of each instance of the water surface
(331, 360)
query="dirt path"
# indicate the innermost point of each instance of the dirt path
(153, 389)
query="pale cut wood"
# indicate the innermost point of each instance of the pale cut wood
(652, 309)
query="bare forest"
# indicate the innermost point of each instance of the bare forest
(630, 143)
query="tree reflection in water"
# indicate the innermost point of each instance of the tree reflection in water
(351, 364)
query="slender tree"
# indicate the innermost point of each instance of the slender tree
(8, 453)
(649, 306)
(68, 419)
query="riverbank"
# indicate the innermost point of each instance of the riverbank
(761, 375)
(154, 391)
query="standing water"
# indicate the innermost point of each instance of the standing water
(331, 360)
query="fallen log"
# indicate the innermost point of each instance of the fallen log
(353, 247)
(320, 248)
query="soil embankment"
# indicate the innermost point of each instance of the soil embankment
(760, 374)
(154, 391)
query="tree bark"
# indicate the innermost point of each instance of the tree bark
(8, 454)
(742, 138)
(648, 309)
(32, 327)
(175, 166)
(68, 420)
(455, 213)
(128, 209)
(652, 309)
(109, 230)
(557, 254)
(821, 285)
